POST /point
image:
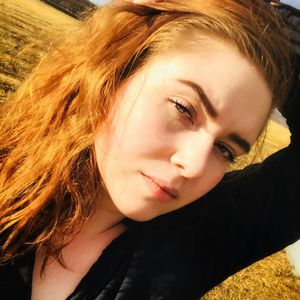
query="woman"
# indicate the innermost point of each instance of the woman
(132, 119)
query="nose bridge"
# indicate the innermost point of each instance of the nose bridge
(193, 154)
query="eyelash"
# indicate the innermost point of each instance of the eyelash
(182, 109)
(230, 156)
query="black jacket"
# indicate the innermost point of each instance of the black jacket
(185, 253)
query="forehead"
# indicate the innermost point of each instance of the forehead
(235, 87)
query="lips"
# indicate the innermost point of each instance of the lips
(171, 191)
(160, 190)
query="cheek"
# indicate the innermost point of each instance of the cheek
(214, 174)
(140, 133)
(216, 171)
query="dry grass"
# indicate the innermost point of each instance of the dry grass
(26, 28)
(268, 279)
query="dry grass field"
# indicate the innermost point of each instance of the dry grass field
(27, 27)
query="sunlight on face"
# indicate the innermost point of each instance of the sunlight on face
(178, 124)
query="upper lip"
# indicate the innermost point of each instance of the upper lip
(166, 187)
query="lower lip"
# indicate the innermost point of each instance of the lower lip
(157, 192)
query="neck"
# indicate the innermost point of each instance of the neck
(105, 218)
(100, 222)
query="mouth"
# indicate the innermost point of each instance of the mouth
(160, 190)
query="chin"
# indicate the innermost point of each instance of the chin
(142, 215)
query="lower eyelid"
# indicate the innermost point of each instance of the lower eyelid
(231, 153)
(176, 102)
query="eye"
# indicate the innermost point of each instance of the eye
(182, 108)
(226, 152)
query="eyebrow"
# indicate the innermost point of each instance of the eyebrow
(202, 96)
(240, 141)
(237, 139)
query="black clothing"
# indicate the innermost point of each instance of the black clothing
(183, 254)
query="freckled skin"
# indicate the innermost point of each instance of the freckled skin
(161, 129)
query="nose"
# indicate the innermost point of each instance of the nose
(193, 154)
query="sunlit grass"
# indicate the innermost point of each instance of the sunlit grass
(26, 28)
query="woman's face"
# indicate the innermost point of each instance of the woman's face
(177, 125)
